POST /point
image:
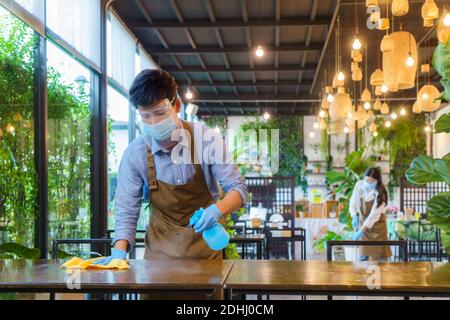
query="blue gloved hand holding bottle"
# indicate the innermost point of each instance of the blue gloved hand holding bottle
(208, 219)
(355, 222)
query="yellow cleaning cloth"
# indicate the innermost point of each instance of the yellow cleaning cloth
(77, 263)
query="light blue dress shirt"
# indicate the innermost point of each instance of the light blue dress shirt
(133, 174)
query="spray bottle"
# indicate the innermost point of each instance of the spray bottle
(216, 238)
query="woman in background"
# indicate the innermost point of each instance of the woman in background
(367, 205)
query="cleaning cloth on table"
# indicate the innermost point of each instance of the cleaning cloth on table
(77, 263)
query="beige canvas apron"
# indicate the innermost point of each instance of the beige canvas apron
(168, 235)
(377, 232)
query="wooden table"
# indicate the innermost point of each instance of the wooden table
(338, 278)
(246, 239)
(144, 276)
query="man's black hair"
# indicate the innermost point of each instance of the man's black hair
(151, 86)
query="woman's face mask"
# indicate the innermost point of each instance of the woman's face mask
(370, 186)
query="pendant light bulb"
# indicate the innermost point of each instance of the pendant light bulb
(330, 98)
(384, 88)
(322, 114)
(259, 52)
(387, 124)
(189, 94)
(266, 115)
(447, 20)
(316, 125)
(312, 134)
(402, 112)
(356, 44)
(367, 105)
(394, 115)
(346, 129)
(341, 76)
(427, 129)
(409, 61)
(375, 134)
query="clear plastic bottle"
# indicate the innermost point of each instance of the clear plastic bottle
(216, 238)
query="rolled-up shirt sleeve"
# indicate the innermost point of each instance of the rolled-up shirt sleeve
(355, 199)
(224, 170)
(128, 201)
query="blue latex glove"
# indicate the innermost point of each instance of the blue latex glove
(115, 254)
(357, 235)
(355, 222)
(209, 218)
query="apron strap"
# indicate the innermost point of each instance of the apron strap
(194, 155)
(151, 170)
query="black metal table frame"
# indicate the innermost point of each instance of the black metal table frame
(210, 292)
(230, 292)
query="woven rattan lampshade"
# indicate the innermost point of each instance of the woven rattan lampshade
(383, 24)
(428, 22)
(378, 91)
(386, 44)
(430, 10)
(384, 108)
(416, 108)
(325, 104)
(399, 7)
(336, 82)
(341, 105)
(377, 78)
(354, 66)
(427, 98)
(361, 116)
(395, 70)
(425, 68)
(377, 104)
(373, 127)
(357, 74)
(443, 31)
(371, 3)
(356, 55)
(365, 95)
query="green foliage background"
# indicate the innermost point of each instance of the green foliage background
(69, 146)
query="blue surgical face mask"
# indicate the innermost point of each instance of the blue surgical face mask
(369, 186)
(159, 131)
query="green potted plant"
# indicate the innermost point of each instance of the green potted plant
(317, 167)
(425, 169)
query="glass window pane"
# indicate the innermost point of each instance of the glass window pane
(69, 154)
(118, 123)
(78, 23)
(35, 7)
(18, 185)
(146, 62)
(121, 53)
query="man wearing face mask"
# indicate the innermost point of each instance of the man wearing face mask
(176, 189)
(367, 205)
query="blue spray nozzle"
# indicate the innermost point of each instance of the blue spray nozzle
(195, 217)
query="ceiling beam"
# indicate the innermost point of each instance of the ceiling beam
(232, 49)
(253, 98)
(259, 83)
(227, 23)
(287, 67)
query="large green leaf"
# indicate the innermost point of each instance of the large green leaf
(335, 177)
(443, 169)
(439, 206)
(442, 124)
(20, 251)
(438, 212)
(422, 171)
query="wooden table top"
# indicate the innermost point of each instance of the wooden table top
(142, 274)
(338, 276)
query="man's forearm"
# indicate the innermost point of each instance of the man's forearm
(121, 244)
(230, 203)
